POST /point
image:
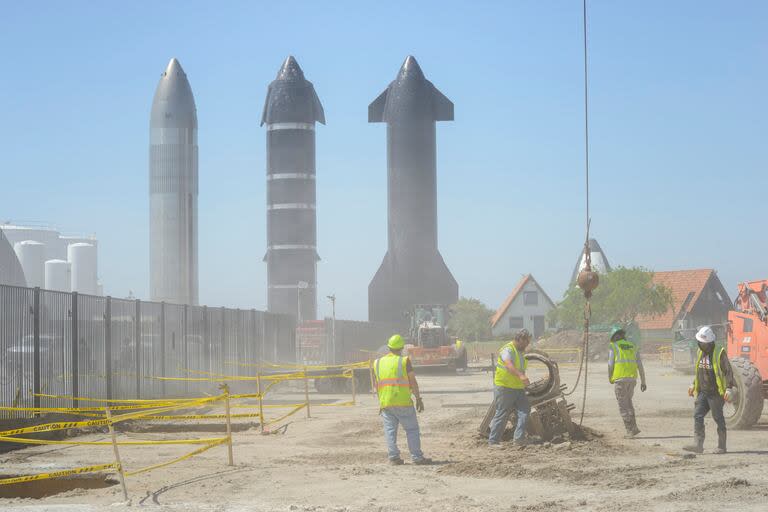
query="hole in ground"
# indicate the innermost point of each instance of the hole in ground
(43, 488)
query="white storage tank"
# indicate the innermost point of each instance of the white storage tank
(82, 257)
(31, 255)
(58, 275)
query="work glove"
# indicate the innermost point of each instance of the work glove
(690, 391)
(643, 387)
(728, 396)
(419, 405)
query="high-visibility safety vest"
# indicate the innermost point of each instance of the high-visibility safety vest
(624, 360)
(392, 383)
(717, 353)
(502, 377)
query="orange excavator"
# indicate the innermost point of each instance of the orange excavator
(747, 335)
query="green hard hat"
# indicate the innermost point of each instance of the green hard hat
(396, 342)
(615, 329)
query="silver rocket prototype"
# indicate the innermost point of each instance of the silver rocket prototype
(173, 188)
(413, 271)
(291, 110)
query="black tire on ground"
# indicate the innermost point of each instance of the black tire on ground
(748, 405)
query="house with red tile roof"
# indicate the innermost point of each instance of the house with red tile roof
(699, 298)
(525, 308)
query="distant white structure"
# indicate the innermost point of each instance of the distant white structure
(10, 268)
(58, 275)
(56, 247)
(82, 258)
(599, 260)
(31, 255)
(526, 307)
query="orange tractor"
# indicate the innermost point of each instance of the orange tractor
(748, 352)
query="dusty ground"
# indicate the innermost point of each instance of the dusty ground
(336, 461)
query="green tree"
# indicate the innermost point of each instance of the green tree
(470, 320)
(622, 296)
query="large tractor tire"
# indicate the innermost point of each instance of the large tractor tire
(747, 407)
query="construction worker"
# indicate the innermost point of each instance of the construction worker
(509, 392)
(624, 364)
(395, 382)
(713, 385)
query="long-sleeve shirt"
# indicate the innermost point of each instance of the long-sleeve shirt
(611, 360)
(706, 373)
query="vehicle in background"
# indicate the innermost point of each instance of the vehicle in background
(748, 351)
(428, 343)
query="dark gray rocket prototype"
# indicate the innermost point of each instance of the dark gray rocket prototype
(290, 112)
(413, 271)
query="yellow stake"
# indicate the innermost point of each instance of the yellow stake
(225, 388)
(354, 390)
(261, 403)
(306, 391)
(120, 470)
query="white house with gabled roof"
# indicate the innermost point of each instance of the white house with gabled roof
(525, 308)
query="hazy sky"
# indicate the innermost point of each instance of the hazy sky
(678, 128)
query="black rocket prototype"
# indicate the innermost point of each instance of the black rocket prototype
(290, 112)
(413, 271)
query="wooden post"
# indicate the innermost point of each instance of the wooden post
(229, 424)
(354, 386)
(306, 391)
(120, 470)
(373, 377)
(261, 403)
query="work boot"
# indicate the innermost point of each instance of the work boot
(397, 461)
(721, 438)
(424, 461)
(496, 446)
(697, 447)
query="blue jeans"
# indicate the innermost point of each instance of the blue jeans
(508, 400)
(405, 416)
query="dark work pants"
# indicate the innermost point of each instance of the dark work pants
(704, 404)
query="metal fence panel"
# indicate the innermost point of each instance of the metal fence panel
(77, 345)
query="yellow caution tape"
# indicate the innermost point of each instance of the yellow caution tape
(22, 440)
(179, 459)
(58, 474)
(284, 416)
(49, 427)
(124, 401)
(199, 417)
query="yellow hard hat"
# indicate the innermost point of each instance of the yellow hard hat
(396, 342)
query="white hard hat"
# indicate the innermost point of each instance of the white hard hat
(706, 335)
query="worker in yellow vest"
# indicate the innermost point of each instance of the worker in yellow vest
(624, 365)
(713, 385)
(395, 383)
(509, 390)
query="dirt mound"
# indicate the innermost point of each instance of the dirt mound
(729, 489)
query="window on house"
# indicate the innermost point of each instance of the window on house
(531, 298)
(516, 322)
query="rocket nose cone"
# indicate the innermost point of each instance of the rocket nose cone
(174, 68)
(174, 102)
(410, 69)
(290, 70)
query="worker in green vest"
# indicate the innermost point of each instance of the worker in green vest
(624, 365)
(509, 392)
(713, 385)
(395, 383)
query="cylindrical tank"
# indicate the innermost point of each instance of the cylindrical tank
(58, 275)
(31, 255)
(82, 257)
